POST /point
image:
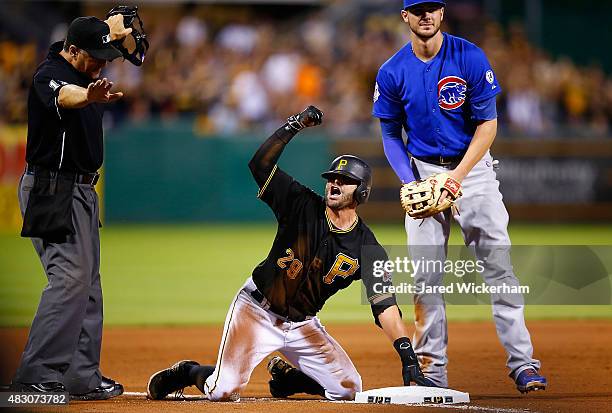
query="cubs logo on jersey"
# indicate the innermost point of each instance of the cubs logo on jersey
(451, 92)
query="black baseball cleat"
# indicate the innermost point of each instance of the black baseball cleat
(107, 389)
(170, 380)
(278, 369)
(48, 387)
(279, 390)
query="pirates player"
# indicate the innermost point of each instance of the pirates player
(317, 251)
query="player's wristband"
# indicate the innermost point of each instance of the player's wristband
(285, 133)
(293, 122)
(404, 348)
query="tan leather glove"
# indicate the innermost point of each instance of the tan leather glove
(421, 198)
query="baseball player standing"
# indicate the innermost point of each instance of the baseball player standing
(441, 90)
(317, 251)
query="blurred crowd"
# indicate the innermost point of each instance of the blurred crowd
(248, 74)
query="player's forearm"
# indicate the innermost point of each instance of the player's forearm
(481, 143)
(72, 97)
(395, 151)
(392, 324)
(269, 152)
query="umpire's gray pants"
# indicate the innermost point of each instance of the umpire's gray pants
(66, 334)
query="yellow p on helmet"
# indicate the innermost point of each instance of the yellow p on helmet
(355, 168)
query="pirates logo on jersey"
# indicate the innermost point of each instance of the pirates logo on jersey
(344, 267)
(451, 92)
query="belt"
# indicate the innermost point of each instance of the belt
(265, 304)
(86, 179)
(260, 298)
(440, 160)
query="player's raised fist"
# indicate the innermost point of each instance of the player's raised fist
(311, 116)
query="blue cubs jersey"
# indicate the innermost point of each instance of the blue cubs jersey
(436, 101)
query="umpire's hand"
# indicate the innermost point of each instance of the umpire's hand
(117, 30)
(99, 91)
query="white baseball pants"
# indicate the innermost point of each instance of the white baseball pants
(252, 332)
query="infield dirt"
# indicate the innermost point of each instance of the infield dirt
(575, 356)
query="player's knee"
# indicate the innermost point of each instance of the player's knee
(227, 389)
(224, 394)
(220, 396)
(345, 389)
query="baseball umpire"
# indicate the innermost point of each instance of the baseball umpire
(317, 251)
(441, 90)
(61, 211)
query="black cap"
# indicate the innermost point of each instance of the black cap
(92, 35)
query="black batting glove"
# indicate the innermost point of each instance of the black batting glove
(411, 372)
(311, 116)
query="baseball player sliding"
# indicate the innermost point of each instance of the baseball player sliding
(441, 90)
(317, 251)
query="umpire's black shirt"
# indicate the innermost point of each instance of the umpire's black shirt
(62, 139)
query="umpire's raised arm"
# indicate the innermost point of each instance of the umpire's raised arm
(274, 184)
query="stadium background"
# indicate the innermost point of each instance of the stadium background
(182, 225)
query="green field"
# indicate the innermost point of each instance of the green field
(163, 275)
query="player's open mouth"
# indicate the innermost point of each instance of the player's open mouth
(335, 191)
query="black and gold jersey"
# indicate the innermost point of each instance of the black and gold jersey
(310, 259)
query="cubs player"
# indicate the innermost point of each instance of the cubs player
(317, 251)
(441, 90)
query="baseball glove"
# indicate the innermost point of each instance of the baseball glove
(421, 198)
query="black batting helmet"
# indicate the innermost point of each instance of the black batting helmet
(354, 168)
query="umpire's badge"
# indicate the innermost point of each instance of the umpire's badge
(53, 85)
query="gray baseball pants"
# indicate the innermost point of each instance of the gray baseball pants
(66, 334)
(483, 220)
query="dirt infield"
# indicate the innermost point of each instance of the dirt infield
(575, 355)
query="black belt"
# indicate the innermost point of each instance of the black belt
(440, 160)
(258, 296)
(87, 179)
(263, 301)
